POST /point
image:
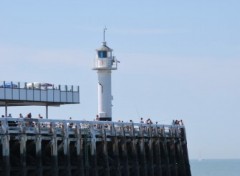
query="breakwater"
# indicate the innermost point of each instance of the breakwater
(40, 147)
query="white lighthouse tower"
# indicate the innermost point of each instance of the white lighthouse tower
(104, 63)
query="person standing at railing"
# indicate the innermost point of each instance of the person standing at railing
(39, 116)
(20, 115)
(181, 123)
(148, 121)
(29, 123)
(97, 118)
(29, 115)
(70, 124)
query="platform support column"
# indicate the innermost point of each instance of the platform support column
(6, 110)
(46, 111)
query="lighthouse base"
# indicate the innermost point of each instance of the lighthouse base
(105, 118)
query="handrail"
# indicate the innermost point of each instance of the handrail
(38, 86)
(20, 125)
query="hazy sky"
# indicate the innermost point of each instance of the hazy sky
(179, 60)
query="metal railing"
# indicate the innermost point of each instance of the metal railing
(97, 128)
(38, 86)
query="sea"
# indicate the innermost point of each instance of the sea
(215, 167)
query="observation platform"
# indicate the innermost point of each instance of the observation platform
(37, 94)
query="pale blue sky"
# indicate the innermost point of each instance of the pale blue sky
(179, 60)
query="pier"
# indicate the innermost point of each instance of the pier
(53, 147)
(45, 147)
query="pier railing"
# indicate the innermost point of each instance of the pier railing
(72, 127)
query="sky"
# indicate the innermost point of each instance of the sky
(179, 60)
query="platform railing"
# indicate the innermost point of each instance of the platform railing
(72, 127)
(38, 86)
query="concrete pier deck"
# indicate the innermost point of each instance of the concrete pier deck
(43, 147)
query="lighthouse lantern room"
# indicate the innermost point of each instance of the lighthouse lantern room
(104, 63)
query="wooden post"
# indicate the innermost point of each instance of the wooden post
(66, 150)
(79, 146)
(105, 154)
(124, 156)
(185, 151)
(39, 155)
(94, 167)
(135, 157)
(157, 154)
(23, 147)
(86, 154)
(117, 167)
(54, 147)
(174, 168)
(166, 156)
(6, 154)
(143, 166)
(150, 157)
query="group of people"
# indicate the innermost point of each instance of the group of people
(148, 121)
(177, 122)
(29, 116)
(9, 115)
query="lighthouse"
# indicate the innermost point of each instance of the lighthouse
(104, 63)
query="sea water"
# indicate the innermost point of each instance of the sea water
(215, 167)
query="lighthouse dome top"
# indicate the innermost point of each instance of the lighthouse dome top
(104, 47)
